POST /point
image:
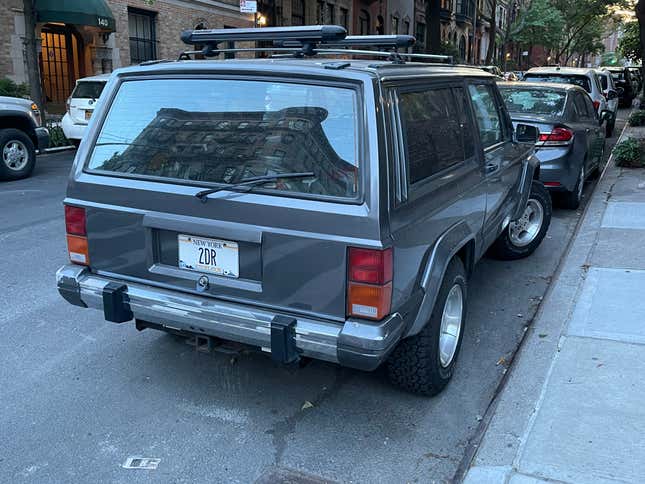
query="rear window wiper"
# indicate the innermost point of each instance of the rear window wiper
(251, 182)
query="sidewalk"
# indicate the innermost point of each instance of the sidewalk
(573, 408)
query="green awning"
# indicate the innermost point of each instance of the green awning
(80, 12)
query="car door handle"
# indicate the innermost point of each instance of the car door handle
(491, 167)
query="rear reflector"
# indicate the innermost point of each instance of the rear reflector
(558, 135)
(596, 105)
(75, 220)
(77, 248)
(368, 301)
(369, 284)
(369, 265)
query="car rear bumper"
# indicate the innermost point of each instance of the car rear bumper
(354, 343)
(558, 169)
(72, 130)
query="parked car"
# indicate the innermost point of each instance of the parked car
(21, 135)
(81, 105)
(322, 208)
(586, 78)
(510, 76)
(611, 93)
(496, 71)
(572, 139)
(623, 79)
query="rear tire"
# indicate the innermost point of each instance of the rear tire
(424, 363)
(571, 200)
(511, 245)
(17, 154)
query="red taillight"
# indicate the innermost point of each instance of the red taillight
(370, 266)
(369, 285)
(558, 134)
(551, 184)
(75, 220)
(596, 105)
(77, 247)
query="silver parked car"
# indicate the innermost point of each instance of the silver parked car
(572, 136)
(320, 208)
(611, 93)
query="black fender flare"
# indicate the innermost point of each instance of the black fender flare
(441, 253)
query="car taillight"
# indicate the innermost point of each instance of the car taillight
(558, 135)
(76, 235)
(596, 105)
(369, 282)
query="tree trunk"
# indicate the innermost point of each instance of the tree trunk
(640, 15)
(31, 56)
(433, 21)
(492, 33)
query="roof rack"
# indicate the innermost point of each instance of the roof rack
(304, 41)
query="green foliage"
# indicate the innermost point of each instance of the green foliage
(10, 88)
(541, 24)
(629, 45)
(629, 154)
(637, 118)
(56, 136)
(448, 48)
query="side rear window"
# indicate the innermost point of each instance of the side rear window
(488, 117)
(581, 107)
(432, 128)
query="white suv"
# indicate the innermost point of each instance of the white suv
(586, 78)
(80, 106)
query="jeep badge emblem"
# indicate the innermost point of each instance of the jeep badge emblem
(202, 283)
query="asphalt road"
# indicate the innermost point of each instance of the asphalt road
(78, 396)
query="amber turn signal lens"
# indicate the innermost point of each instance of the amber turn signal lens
(77, 248)
(368, 301)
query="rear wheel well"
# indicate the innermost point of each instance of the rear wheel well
(21, 123)
(467, 256)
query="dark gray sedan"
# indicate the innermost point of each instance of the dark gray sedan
(572, 135)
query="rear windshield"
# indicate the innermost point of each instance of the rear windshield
(223, 131)
(618, 75)
(88, 89)
(533, 101)
(582, 81)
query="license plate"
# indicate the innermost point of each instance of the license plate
(88, 114)
(216, 256)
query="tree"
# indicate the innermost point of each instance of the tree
(433, 19)
(492, 32)
(640, 15)
(31, 55)
(629, 45)
(541, 25)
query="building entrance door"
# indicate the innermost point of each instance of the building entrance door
(61, 64)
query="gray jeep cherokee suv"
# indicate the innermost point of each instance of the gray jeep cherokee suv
(309, 207)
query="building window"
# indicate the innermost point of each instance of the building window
(363, 23)
(406, 24)
(297, 12)
(445, 4)
(421, 33)
(344, 17)
(331, 13)
(395, 25)
(141, 28)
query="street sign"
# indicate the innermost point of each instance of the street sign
(525, 53)
(248, 6)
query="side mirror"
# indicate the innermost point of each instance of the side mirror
(525, 133)
(605, 116)
(611, 94)
(620, 91)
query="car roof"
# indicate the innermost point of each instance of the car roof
(554, 86)
(321, 64)
(99, 77)
(614, 68)
(580, 71)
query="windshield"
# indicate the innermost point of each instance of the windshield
(582, 81)
(533, 101)
(88, 89)
(222, 131)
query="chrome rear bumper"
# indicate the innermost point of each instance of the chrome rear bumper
(354, 343)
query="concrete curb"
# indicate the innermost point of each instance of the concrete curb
(499, 443)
